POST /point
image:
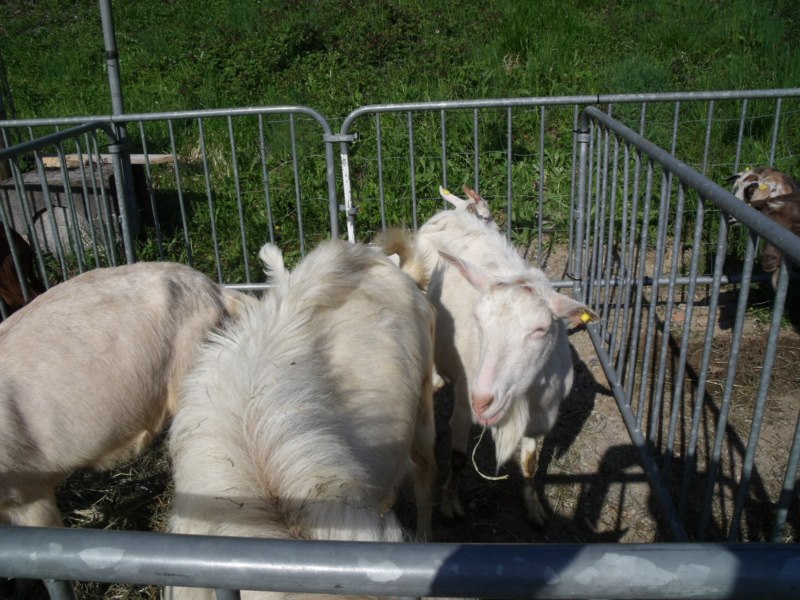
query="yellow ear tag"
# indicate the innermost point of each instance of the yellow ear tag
(763, 186)
(444, 191)
(586, 317)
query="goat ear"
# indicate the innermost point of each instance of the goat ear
(473, 194)
(733, 177)
(452, 198)
(570, 309)
(477, 277)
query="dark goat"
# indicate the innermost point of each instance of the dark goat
(11, 291)
(785, 211)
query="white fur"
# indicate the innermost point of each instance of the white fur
(301, 419)
(90, 371)
(500, 338)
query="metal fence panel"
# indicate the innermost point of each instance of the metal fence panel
(595, 198)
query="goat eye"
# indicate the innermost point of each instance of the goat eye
(471, 208)
(537, 333)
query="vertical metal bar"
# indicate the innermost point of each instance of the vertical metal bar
(541, 185)
(590, 216)
(350, 211)
(776, 127)
(661, 236)
(707, 145)
(582, 142)
(210, 197)
(678, 380)
(381, 191)
(475, 152)
(789, 481)
(129, 213)
(443, 127)
(740, 136)
(59, 249)
(677, 243)
(761, 400)
(151, 192)
(700, 389)
(238, 188)
(112, 57)
(630, 273)
(412, 160)
(609, 247)
(640, 279)
(179, 189)
(104, 204)
(599, 220)
(621, 290)
(59, 590)
(262, 149)
(87, 210)
(572, 189)
(643, 118)
(297, 194)
(509, 177)
(74, 233)
(733, 363)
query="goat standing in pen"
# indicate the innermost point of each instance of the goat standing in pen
(500, 340)
(777, 196)
(90, 371)
(301, 419)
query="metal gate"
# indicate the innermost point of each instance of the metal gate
(645, 239)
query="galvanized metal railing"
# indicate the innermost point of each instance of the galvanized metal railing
(624, 571)
(644, 273)
(249, 160)
(633, 211)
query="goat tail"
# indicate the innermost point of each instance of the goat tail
(400, 242)
(272, 258)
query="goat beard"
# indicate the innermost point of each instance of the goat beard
(507, 433)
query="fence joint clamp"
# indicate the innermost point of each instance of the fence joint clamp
(340, 137)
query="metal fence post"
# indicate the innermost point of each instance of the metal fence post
(128, 205)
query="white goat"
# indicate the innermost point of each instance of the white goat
(500, 339)
(300, 419)
(90, 371)
(476, 205)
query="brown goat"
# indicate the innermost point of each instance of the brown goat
(785, 211)
(11, 288)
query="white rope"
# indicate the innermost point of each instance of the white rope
(474, 464)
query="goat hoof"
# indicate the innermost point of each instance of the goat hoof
(537, 517)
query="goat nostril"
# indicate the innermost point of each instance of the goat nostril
(481, 402)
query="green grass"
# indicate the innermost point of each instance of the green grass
(335, 56)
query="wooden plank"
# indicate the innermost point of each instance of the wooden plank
(71, 160)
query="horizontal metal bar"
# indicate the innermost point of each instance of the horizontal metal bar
(186, 114)
(476, 570)
(567, 100)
